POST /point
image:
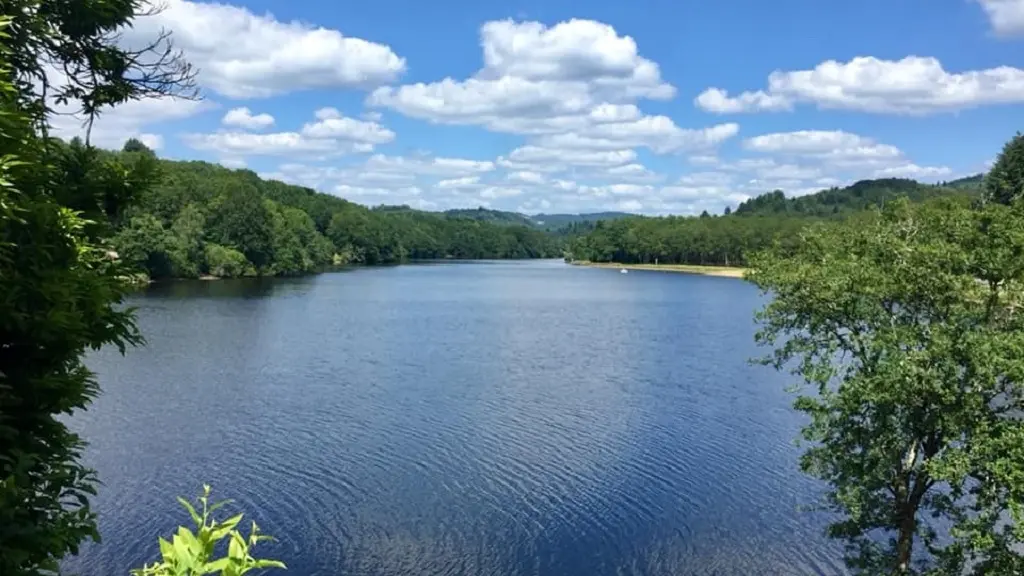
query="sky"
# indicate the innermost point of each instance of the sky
(648, 106)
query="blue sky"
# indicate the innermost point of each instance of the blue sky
(653, 106)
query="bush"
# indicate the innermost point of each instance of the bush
(225, 262)
(191, 553)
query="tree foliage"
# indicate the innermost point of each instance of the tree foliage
(906, 331)
(281, 229)
(1005, 181)
(60, 283)
(755, 224)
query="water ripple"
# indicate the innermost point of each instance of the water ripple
(519, 419)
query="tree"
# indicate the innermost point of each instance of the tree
(907, 332)
(1005, 181)
(61, 283)
(242, 220)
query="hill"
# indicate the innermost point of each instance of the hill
(756, 223)
(557, 221)
(971, 182)
(204, 219)
(853, 198)
(493, 216)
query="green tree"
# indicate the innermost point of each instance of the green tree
(241, 219)
(906, 331)
(1005, 182)
(145, 245)
(187, 245)
(60, 281)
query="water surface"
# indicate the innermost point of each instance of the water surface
(459, 419)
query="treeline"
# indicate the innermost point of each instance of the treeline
(203, 219)
(757, 223)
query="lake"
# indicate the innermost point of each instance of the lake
(500, 418)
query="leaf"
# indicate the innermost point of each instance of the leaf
(191, 511)
(222, 529)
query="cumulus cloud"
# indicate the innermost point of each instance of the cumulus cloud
(573, 85)
(914, 85)
(832, 145)
(1006, 16)
(331, 134)
(541, 159)
(526, 176)
(244, 55)
(244, 118)
(133, 119)
(459, 183)
(332, 124)
(718, 101)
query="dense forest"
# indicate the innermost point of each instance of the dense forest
(755, 224)
(203, 219)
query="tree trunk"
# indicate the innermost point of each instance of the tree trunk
(905, 542)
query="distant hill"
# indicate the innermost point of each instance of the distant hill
(493, 216)
(857, 196)
(557, 221)
(549, 222)
(976, 181)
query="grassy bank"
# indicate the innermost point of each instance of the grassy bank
(724, 271)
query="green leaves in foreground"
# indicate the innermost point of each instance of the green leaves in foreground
(192, 553)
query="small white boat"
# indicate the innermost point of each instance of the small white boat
(623, 271)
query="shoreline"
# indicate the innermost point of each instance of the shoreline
(720, 271)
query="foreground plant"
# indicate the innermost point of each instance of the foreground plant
(191, 553)
(907, 331)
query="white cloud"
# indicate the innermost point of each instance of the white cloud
(331, 135)
(243, 55)
(459, 183)
(572, 85)
(718, 101)
(526, 176)
(233, 163)
(633, 172)
(332, 124)
(275, 144)
(911, 170)
(493, 192)
(133, 119)
(555, 159)
(835, 146)
(532, 70)
(152, 141)
(659, 133)
(914, 85)
(432, 166)
(1006, 16)
(244, 118)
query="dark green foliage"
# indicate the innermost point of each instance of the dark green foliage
(755, 224)
(906, 332)
(854, 198)
(60, 283)
(1005, 182)
(492, 216)
(281, 229)
(969, 183)
(556, 222)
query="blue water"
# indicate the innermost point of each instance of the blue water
(459, 419)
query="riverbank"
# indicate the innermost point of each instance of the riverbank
(723, 271)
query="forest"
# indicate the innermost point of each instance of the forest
(202, 219)
(754, 225)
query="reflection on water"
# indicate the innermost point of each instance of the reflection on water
(508, 418)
